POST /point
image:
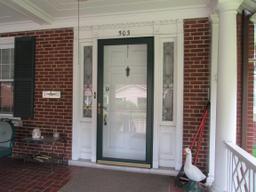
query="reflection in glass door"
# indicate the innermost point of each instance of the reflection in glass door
(124, 92)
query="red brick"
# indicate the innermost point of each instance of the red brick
(196, 81)
(54, 71)
(251, 128)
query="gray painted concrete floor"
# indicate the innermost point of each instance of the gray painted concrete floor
(102, 180)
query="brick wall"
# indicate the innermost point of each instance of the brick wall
(196, 81)
(251, 129)
(53, 71)
(239, 82)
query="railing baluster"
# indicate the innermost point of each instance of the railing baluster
(228, 169)
(241, 170)
(231, 175)
(254, 181)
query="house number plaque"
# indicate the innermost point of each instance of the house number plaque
(124, 33)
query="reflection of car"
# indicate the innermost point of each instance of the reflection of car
(132, 97)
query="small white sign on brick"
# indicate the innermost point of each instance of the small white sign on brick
(51, 94)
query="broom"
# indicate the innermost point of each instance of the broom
(181, 178)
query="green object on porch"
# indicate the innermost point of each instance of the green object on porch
(7, 132)
(254, 150)
(192, 186)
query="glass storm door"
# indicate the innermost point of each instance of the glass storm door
(125, 81)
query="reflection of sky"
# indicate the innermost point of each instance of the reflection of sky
(132, 93)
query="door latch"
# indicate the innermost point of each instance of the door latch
(105, 119)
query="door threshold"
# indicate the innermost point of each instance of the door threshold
(124, 164)
(157, 171)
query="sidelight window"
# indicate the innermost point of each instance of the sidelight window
(168, 83)
(87, 83)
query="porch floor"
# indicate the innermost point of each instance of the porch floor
(17, 176)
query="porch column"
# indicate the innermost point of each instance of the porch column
(226, 88)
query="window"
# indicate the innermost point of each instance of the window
(168, 68)
(17, 93)
(87, 84)
(6, 75)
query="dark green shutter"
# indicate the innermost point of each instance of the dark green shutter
(24, 64)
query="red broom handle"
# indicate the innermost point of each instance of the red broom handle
(199, 134)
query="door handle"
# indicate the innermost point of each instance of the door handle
(105, 119)
(99, 108)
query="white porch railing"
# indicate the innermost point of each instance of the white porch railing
(241, 170)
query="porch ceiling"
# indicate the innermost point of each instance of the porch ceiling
(47, 11)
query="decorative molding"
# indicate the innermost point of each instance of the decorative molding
(126, 25)
(149, 16)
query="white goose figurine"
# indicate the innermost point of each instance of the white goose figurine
(191, 171)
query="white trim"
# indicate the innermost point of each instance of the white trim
(180, 87)
(161, 171)
(164, 128)
(213, 96)
(75, 115)
(159, 29)
(155, 158)
(94, 105)
(112, 18)
(6, 42)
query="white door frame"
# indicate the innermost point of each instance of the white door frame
(157, 29)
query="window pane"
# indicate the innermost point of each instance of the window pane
(5, 56)
(6, 92)
(168, 63)
(87, 92)
(6, 64)
(11, 71)
(6, 72)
